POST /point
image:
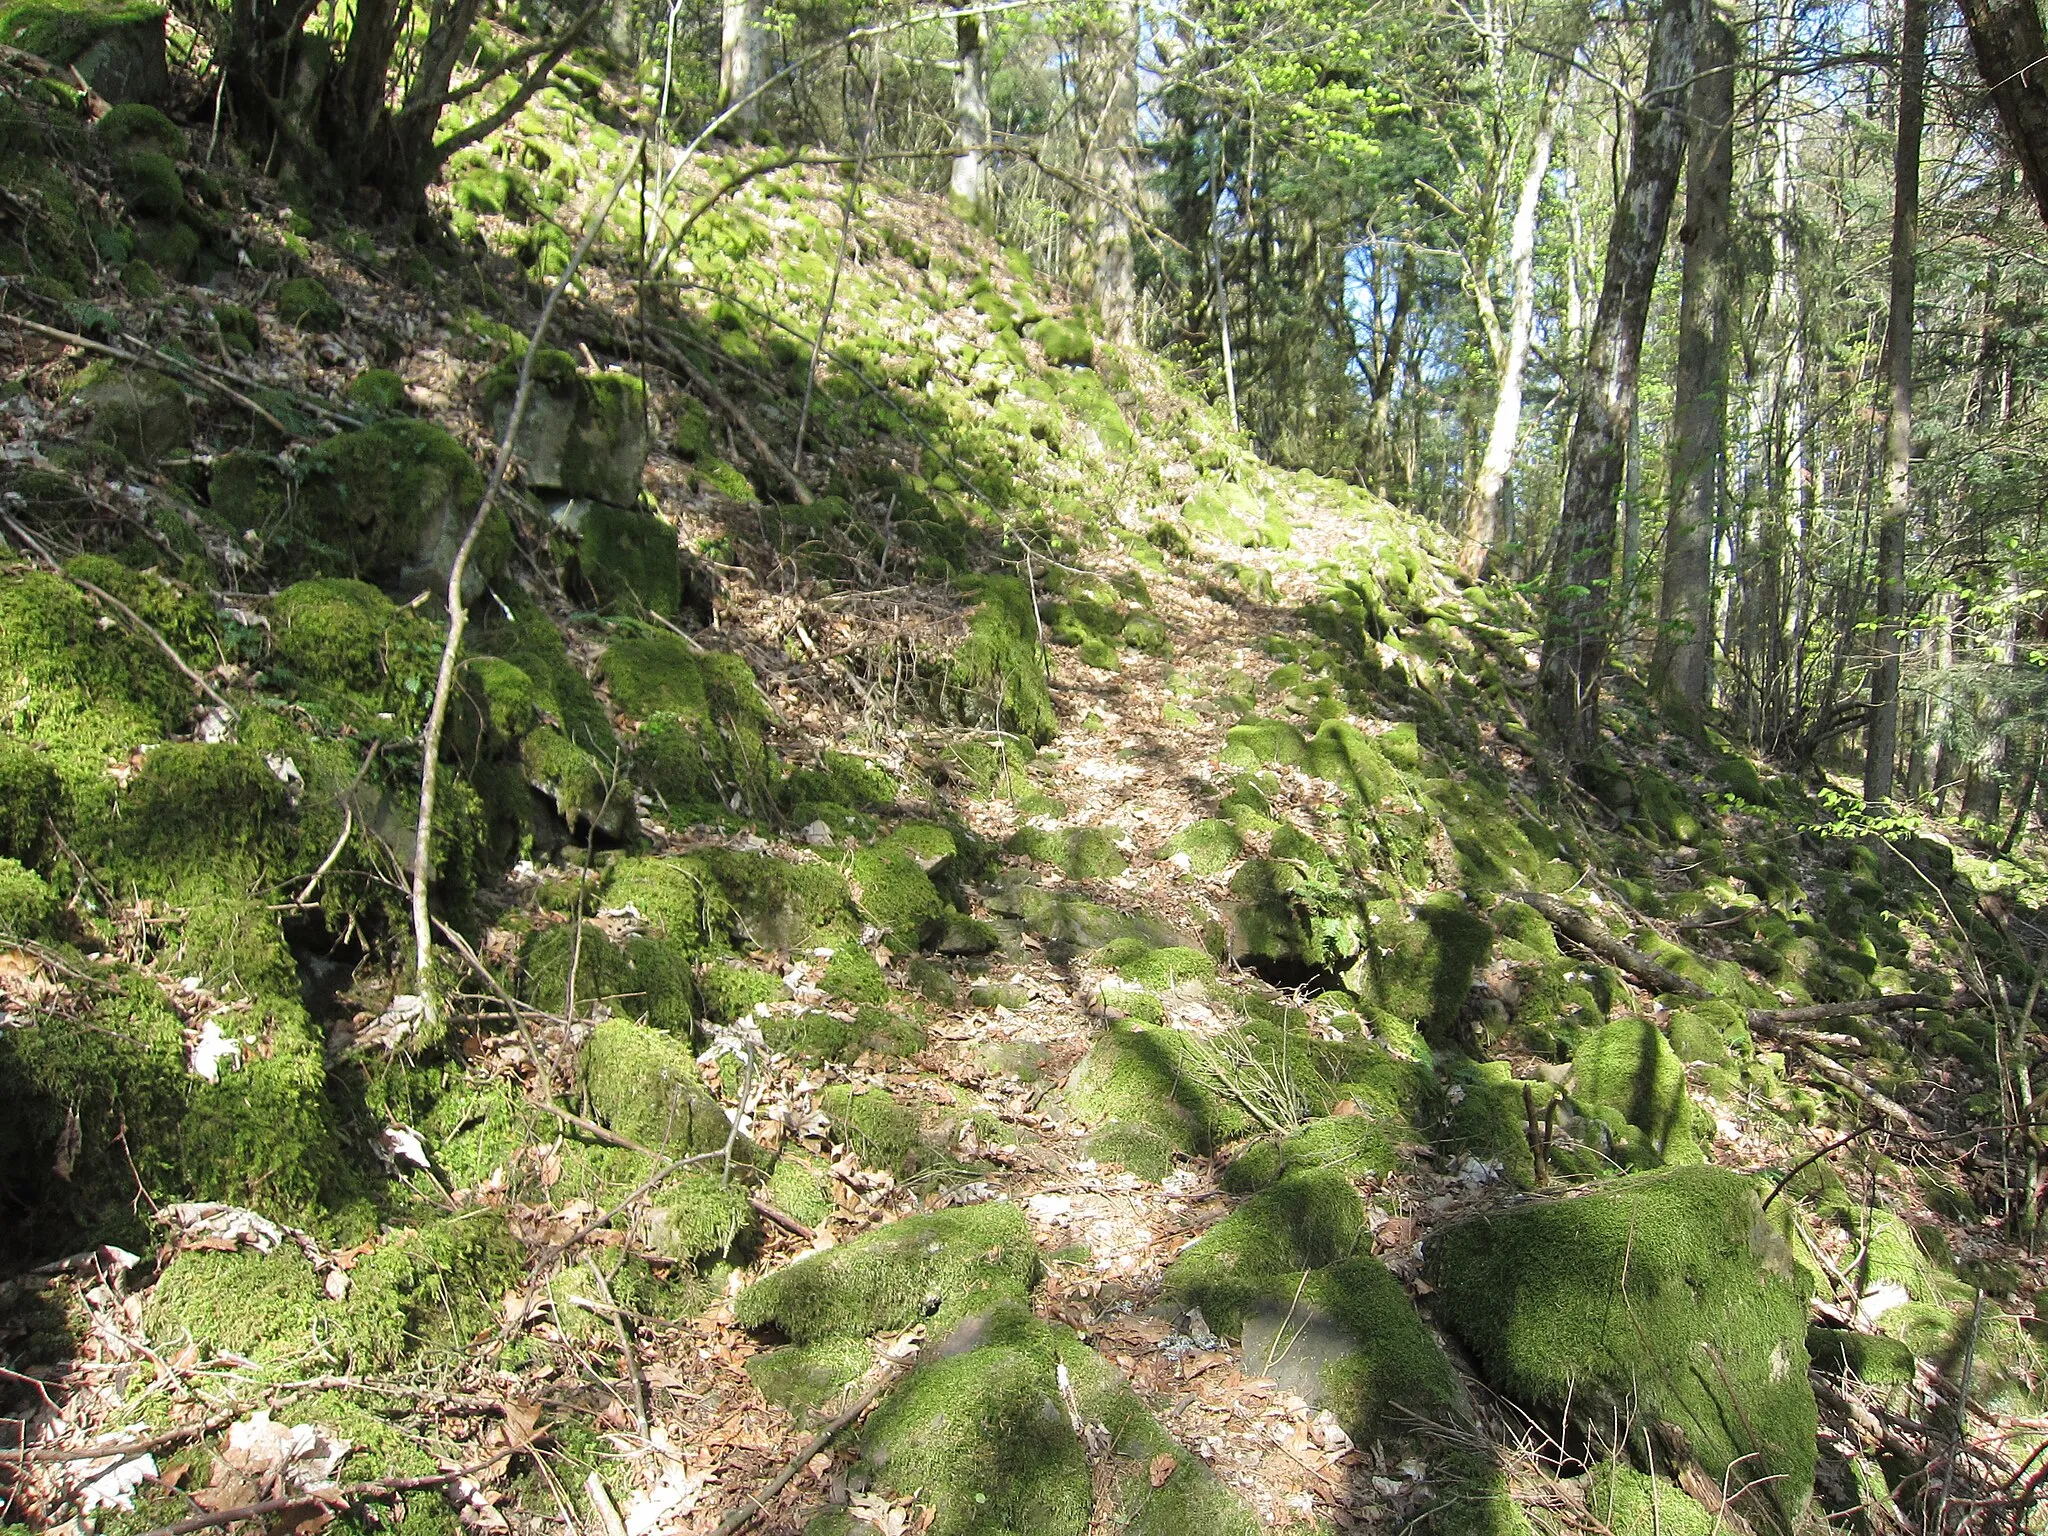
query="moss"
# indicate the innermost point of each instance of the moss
(383, 1449)
(1869, 1357)
(1664, 1295)
(801, 1186)
(953, 934)
(842, 779)
(305, 303)
(730, 991)
(531, 642)
(1210, 847)
(809, 1376)
(1080, 853)
(1421, 967)
(1629, 1503)
(996, 676)
(699, 1216)
(893, 891)
(1159, 969)
(1309, 1221)
(1135, 1076)
(387, 504)
(143, 414)
(583, 434)
(1660, 803)
(335, 632)
(495, 706)
(879, 1131)
(192, 803)
(643, 978)
(1628, 1066)
(585, 794)
(939, 1266)
(1351, 1337)
(149, 184)
(626, 561)
(26, 903)
(29, 796)
(1350, 759)
(429, 1289)
(1488, 1118)
(1138, 1149)
(703, 738)
(644, 1084)
(131, 124)
(717, 899)
(377, 390)
(1067, 343)
(853, 975)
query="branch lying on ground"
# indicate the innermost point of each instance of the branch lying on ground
(1589, 935)
(332, 1499)
(1891, 1002)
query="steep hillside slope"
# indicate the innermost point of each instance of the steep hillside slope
(966, 894)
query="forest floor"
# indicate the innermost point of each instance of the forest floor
(1065, 817)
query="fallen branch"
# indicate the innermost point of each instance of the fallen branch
(1883, 1103)
(744, 423)
(1590, 936)
(1891, 1002)
(757, 1503)
(343, 1497)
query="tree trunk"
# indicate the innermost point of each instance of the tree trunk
(1113, 280)
(1579, 598)
(1483, 507)
(970, 121)
(742, 62)
(1681, 663)
(2010, 45)
(1881, 744)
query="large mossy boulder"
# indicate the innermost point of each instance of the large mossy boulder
(702, 722)
(1665, 1300)
(583, 434)
(621, 560)
(644, 1084)
(117, 45)
(388, 505)
(1626, 1073)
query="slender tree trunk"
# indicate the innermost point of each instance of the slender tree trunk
(1579, 598)
(1881, 743)
(1681, 663)
(1113, 282)
(742, 61)
(970, 120)
(1483, 507)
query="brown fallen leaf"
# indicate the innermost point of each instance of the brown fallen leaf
(1162, 1468)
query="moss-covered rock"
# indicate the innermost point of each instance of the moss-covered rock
(876, 1128)
(940, 1267)
(893, 891)
(29, 795)
(644, 1084)
(1208, 847)
(1309, 1221)
(583, 434)
(703, 722)
(149, 184)
(624, 560)
(996, 676)
(1628, 1067)
(587, 794)
(388, 504)
(1066, 343)
(1080, 853)
(305, 303)
(379, 391)
(143, 414)
(117, 45)
(1665, 1297)
(1631, 1503)
(26, 903)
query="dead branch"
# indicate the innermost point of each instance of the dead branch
(1590, 936)
(1891, 1002)
(1863, 1089)
(757, 1503)
(344, 1497)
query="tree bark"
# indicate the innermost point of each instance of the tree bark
(742, 61)
(1483, 507)
(1579, 597)
(970, 120)
(2010, 46)
(1113, 284)
(1681, 662)
(1881, 743)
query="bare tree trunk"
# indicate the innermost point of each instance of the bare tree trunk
(1483, 507)
(1881, 744)
(742, 61)
(1579, 596)
(1113, 282)
(1681, 663)
(970, 120)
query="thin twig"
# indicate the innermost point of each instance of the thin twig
(757, 1503)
